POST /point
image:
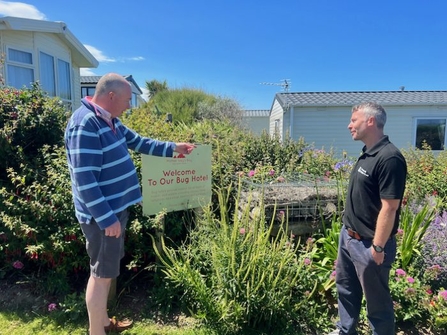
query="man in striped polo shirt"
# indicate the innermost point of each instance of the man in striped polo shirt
(105, 183)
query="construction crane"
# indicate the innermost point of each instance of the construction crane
(285, 84)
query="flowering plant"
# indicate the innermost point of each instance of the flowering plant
(262, 174)
(438, 309)
(433, 249)
(410, 296)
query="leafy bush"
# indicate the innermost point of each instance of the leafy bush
(438, 310)
(410, 295)
(181, 103)
(28, 121)
(415, 219)
(37, 222)
(237, 278)
(426, 173)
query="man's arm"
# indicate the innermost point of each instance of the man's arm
(384, 226)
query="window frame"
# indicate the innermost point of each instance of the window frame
(87, 91)
(56, 73)
(54, 93)
(14, 63)
(415, 132)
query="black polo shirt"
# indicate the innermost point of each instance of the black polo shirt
(380, 173)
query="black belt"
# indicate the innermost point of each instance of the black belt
(354, 234)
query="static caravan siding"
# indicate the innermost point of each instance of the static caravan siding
(401, 123)
(276, 119)
(325, 128)
(18, 39)
(76, 89)
(257, 125)
(53, 46)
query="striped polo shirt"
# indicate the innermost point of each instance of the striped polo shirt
(103, 176)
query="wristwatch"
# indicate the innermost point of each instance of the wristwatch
(378, 248)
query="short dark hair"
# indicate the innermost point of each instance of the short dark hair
(372, 109)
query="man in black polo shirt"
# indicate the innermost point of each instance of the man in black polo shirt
(367, 246)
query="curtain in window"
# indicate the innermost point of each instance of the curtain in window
(19, 76)
(64, 79)
(47, 77)
(20, 56)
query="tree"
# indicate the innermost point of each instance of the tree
(155, 86)
(221, 109)
(188, 105)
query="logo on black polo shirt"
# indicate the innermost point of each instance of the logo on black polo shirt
(363, 171)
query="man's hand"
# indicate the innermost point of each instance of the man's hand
(114, 230)
(184, 148)
(378, 257)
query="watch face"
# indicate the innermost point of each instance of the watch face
(377, 248)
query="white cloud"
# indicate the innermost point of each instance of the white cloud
(138, 58)
(100, 57)
(20, 9)
(87, 72)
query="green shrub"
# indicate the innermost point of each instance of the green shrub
(28, 121)
(414, 221)
(236, 278)
(427, 173)
(37, 221)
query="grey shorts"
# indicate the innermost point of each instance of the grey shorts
(105, 252)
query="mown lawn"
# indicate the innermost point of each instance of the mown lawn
(17, 323)
(24, 312)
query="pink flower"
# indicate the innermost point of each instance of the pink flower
(410, 280)
(400, 272)
(18, 265)
(333, 275)
(310, 241)
(400, 231)
(430, 292)
(410, 291)
(443, 294)
(307, 261)
(52, 307)
(251, 173)
(271, 172)
(242, 231)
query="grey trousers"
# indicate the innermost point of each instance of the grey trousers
(358, 274)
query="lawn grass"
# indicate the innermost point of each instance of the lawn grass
(23, 311)
(20, 323)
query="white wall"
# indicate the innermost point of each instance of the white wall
(277, 113)
(326, 127)
(256, 124)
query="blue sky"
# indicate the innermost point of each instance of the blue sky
(229, 47)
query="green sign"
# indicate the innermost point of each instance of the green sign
(176, 183)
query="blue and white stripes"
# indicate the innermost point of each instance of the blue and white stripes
(103, 176)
